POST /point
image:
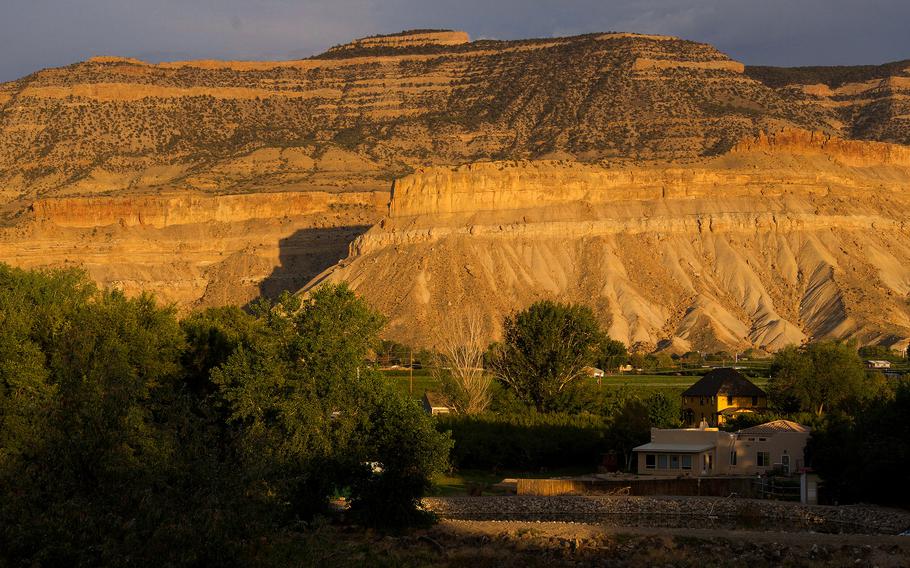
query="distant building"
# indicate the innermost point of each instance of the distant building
(720, 395)
(435, 403)
(774, 446)
(593, 372)
(878, 364)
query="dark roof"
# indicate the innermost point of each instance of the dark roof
(724, 381)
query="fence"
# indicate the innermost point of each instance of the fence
(689, 486)
(776, 488)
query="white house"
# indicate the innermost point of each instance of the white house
(777, 445)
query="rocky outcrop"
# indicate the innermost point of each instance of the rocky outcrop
(160, 211)
(871, 102)
(388, 104)
(761, 247)
(194, 250)
(406, 39)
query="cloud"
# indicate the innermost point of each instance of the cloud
(42, 33)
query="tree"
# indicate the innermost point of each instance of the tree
(98, 449)
(309, 413)
(613, 353)
(460, 366)
(629, 428)
(818, 377)
(544, 350)
(874, 438)
(878, 352)
(663, 411)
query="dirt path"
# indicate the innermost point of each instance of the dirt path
(531, 544)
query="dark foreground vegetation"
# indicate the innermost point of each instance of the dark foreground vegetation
(131, 438)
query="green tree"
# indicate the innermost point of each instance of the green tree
(663, 410)
(629, 428)
(309, 412)
(97, 448)
(878, 352)
(818, 377)
(544, 350)
(850, 450)
(613, 353)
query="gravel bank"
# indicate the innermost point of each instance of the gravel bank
(676, 512)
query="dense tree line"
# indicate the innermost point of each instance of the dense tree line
(128, 437)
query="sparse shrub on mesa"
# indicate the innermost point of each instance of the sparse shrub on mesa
(129, 438)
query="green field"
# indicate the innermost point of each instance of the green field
(645, 385)
(422, 381)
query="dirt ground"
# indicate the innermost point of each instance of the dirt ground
(481, 544)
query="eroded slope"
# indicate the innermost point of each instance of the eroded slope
(792, 237)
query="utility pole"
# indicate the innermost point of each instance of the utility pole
(411, 370)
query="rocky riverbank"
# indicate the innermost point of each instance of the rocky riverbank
(680, 512)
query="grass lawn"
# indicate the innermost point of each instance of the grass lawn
(423, 381)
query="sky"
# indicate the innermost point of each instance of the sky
(35, 34)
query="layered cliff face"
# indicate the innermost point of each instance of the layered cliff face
(790, 237)
(635, 173)
(190, 249)
(871, 102)
(362, 114)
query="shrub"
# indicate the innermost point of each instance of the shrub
(529, 440)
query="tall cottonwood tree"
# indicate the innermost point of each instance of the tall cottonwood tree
(545, 349)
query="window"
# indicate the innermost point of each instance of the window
(729, 400)
(702, 401)
(762, 439)
(650, 460)
(687, 462)
(754, 401)
(662, 462)
(733, 457)
(674, 462)
(763, 459)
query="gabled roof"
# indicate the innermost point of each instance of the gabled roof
(724, 381)
(776, 426)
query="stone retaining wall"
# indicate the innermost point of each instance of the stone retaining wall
(767, 515)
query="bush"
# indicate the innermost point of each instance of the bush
(530, 440)
(127, 438)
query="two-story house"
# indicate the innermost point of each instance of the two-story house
(720, 395)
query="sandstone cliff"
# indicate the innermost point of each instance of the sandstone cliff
(790, 237)
(190, 249)
(363, 114)
(692, 200)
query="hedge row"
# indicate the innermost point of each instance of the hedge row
(525, 441)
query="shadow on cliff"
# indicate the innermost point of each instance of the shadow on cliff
(305, 254)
